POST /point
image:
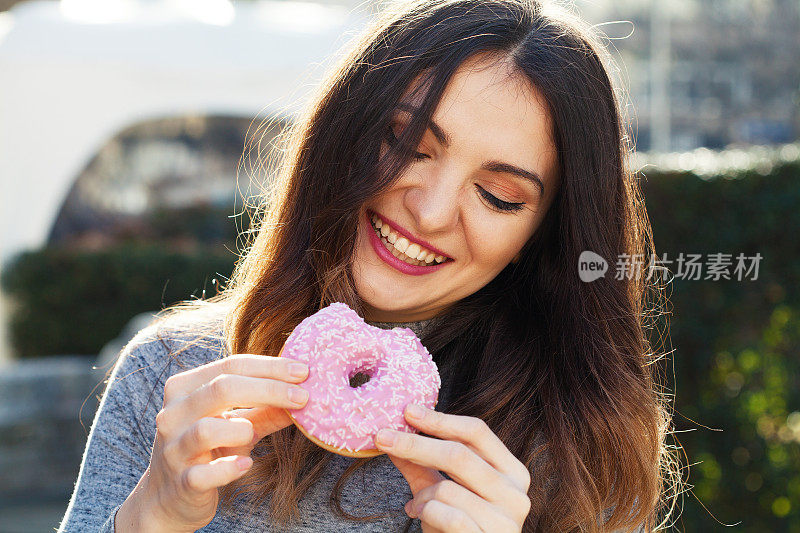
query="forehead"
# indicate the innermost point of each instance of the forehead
(492, 112)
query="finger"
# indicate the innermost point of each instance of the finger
(219, 472)
(448, 518)
(205, 435)
(226, 391)
(418, 477)
(487, 516)
(265, 420)
(476, 434)
(454, 458)
(258, 366)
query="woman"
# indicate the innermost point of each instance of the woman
(483, 140)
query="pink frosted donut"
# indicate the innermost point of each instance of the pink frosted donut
(337, 344)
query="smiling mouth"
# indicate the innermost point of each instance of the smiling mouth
(407, 251)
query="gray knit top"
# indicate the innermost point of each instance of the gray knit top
(120, 441)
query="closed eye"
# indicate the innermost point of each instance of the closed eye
(497, 202)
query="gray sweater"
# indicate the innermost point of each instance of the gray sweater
(120, 441)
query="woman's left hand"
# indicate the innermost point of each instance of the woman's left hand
(489, 486)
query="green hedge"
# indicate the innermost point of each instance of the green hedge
(737, 343)
(73, 302)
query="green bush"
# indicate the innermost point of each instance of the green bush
(73, 302)
(736, 343)
(751, 471)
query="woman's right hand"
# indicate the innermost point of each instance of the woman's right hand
(201, 445)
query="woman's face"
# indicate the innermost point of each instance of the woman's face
(462, 198)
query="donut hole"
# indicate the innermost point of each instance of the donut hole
(359, 378)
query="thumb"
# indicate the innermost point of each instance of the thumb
(417, 476)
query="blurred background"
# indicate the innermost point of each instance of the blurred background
(123, 125)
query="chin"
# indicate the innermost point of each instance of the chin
(382, 304)
(375, 293)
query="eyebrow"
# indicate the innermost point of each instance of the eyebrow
(492, 165)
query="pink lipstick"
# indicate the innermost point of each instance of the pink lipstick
(383, 252)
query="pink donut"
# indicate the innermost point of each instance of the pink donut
(336, 344)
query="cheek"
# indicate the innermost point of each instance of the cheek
(496, 245)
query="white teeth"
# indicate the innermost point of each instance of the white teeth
(398, 254)
(402, 248)
(402, 244)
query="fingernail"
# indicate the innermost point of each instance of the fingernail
(298, 395)
(386, 437)
(244, 463)
(415, 411)
(298, 370)
(415, 508)
(409, 507)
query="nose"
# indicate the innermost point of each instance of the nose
(434, 202)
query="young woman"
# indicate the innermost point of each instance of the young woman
(483, 140)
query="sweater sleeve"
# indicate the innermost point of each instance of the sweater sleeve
(121, 437)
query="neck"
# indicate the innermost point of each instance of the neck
(400, 317)
(417, 326)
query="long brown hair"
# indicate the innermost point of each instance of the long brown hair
(561, 370)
